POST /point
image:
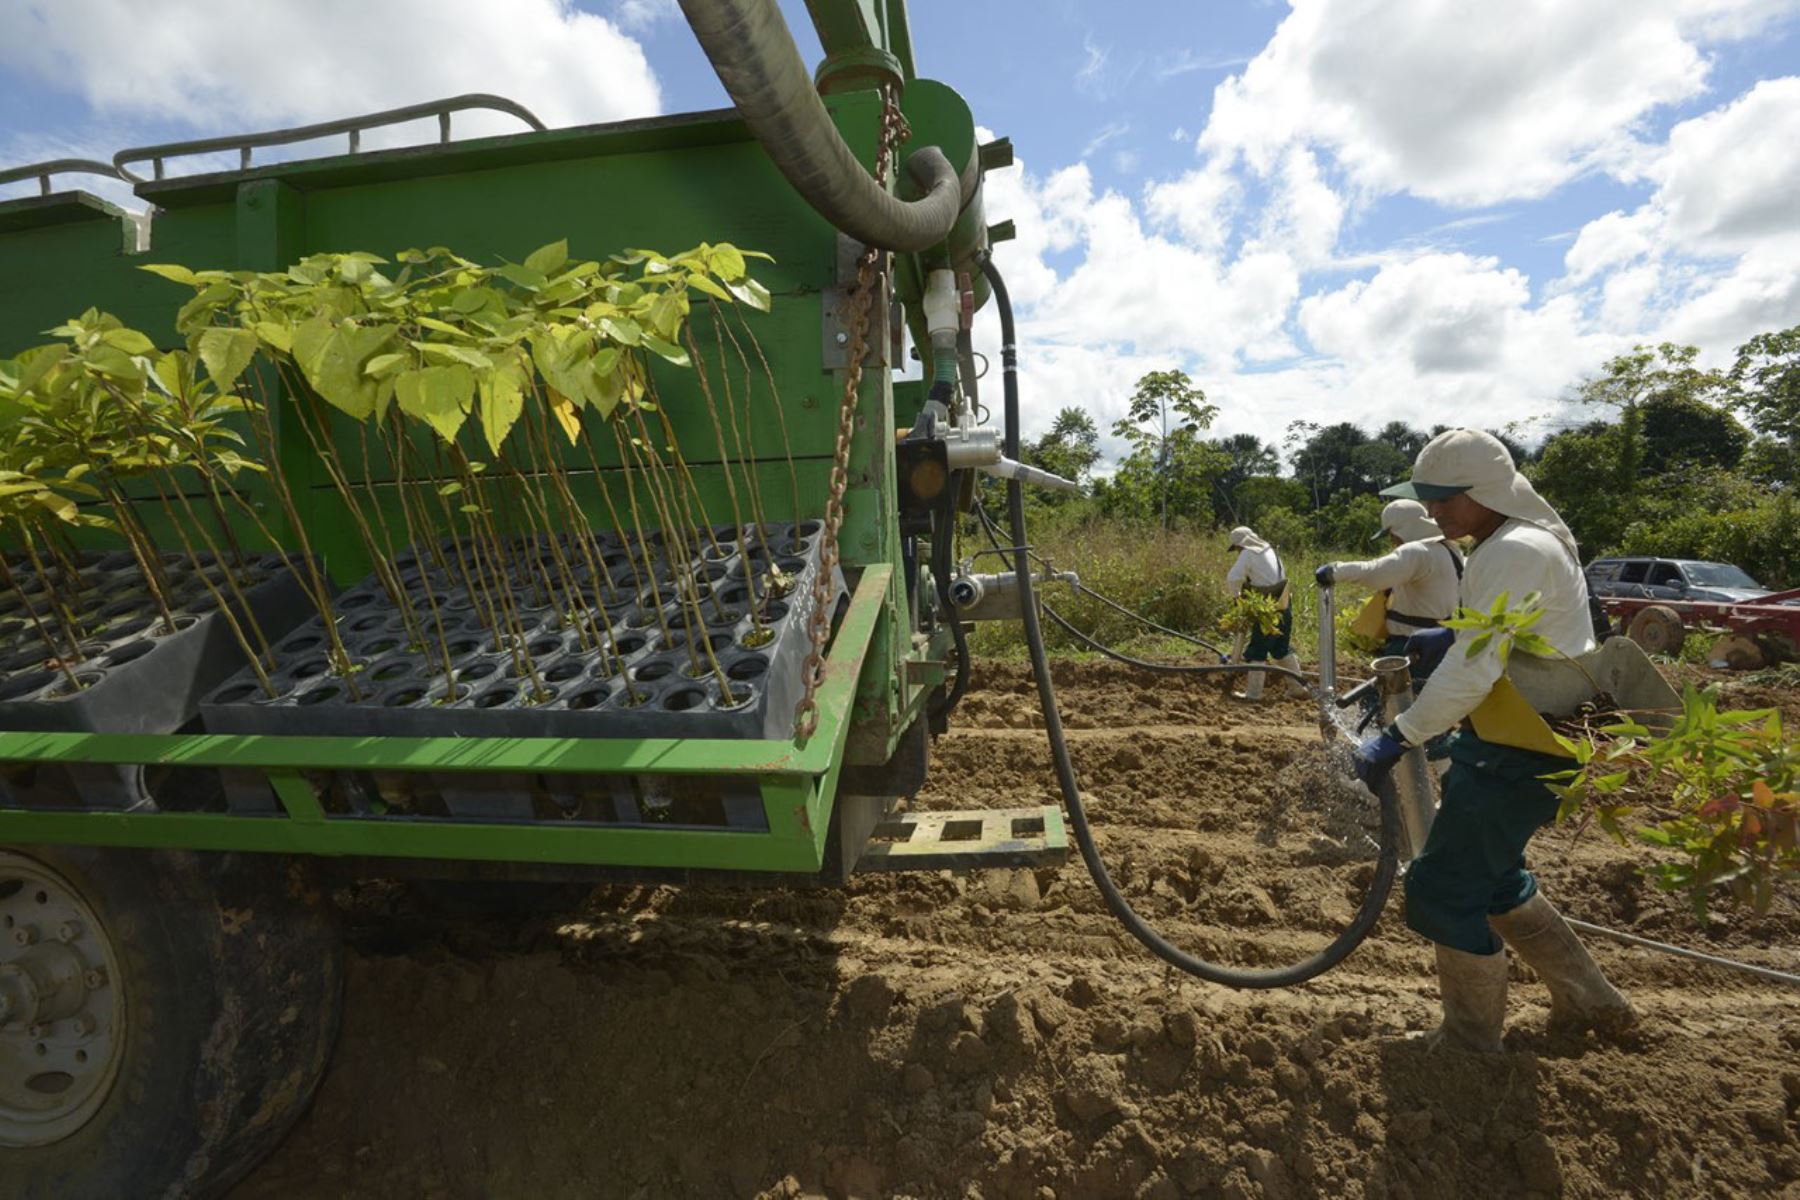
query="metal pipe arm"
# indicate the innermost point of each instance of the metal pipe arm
(753, 52)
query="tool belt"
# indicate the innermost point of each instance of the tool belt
(1535, 691)
(1277, 591)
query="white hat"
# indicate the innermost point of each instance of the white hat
(1468, 460)
(1244, 538)
(1408, 521)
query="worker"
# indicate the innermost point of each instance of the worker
(1258, 568)
(1418, 579)
(1469, 881)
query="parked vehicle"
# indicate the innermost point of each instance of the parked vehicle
(1671, 579)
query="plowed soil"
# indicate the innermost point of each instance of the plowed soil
(999, 1035)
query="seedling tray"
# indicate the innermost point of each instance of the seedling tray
(648, 689)
(137, 676)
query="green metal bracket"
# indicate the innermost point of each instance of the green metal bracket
(798, 783)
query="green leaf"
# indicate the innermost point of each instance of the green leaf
(668, 350)
(275, 334)
(384, 364)
(752, 293)
(502, 400)
(440, 326)
(703, 283)
(128, 340)
(226, 352)
(441, 352)
(113, 362)
(438, 396)
(725, 262)
(173, 272)
(526, 277)
(623, 330)
(547, 260)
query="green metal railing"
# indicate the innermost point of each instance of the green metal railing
(798, 782)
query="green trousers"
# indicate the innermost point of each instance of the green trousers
(1277, 644)
(1473, 864)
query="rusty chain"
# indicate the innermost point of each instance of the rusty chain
(869, 275)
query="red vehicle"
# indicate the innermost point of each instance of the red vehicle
(1753, 633)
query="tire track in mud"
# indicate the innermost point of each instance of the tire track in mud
(1000, 1036)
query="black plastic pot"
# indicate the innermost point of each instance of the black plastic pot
(647, 690)
(138, 676)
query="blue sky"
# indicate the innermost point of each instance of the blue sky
(1437, 210)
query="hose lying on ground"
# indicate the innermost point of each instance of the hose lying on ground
(1387, 865)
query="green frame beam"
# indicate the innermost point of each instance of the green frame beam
(798, 782)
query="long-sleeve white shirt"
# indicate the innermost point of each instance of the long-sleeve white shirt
(1421, 579)
(1259, 567)
(1518, 558)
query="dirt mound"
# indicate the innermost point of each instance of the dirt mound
(998, 1035)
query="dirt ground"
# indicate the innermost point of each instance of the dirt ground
(999, 1035)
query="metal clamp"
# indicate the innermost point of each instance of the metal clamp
(353, 126)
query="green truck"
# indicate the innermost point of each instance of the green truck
(170, 978)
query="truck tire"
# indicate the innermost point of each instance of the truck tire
(191, 1036)
(1658, 629)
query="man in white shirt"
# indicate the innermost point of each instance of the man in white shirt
(1258, 569)
(1469, 882)
(1419, 578)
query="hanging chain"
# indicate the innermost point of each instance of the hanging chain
(869, 275)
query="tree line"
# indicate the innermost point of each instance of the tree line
(1654, 455)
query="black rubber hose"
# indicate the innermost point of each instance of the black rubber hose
(943, 538)
(1386, 867)
(753, 53)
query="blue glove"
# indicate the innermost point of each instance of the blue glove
(1428, 647)
(1376, 756)
(1323, 576)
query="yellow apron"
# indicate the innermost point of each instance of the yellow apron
(1371, 622)
(1510, 715)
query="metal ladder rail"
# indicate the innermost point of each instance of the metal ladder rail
(244, 144)
(42, 171)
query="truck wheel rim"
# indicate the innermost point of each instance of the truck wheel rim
(62, 1014)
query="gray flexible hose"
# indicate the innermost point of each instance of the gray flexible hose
(1632, 939)
(753, 53)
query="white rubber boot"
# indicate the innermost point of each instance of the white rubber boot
(1294, 686)
(1473, 987)
(1253, 687)
(1580, 996)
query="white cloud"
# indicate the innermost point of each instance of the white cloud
(1469, 103)
(244, 66)
(1731, 178)
(640, 15)
(1726, 187)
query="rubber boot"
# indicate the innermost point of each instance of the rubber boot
(1473, 987)
(1253, 687)
(1294, 686)
(1580, 996)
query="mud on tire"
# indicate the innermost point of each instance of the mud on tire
(230, 975)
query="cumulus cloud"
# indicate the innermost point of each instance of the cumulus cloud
(1471, 104)
(241, 66)
(1726, 183)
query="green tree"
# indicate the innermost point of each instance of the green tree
(1162, 426)
(1683, 429)
(1627, 383)
(1245, 457)
(1070, 449)
(1764, 384)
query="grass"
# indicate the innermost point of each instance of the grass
(1175, 578)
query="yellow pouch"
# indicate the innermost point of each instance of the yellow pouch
(1371, 622)
(1506, 718)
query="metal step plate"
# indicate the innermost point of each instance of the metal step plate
(974, 838)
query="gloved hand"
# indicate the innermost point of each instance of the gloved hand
(1323, 576)
(1428, 647)
(1376, 756)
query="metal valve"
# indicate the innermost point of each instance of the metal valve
(995, 596)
